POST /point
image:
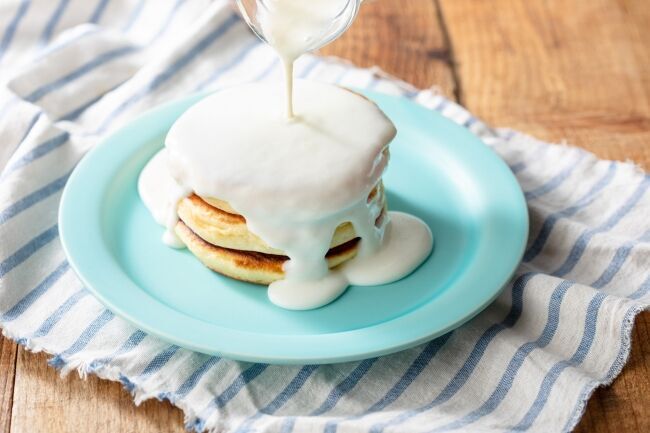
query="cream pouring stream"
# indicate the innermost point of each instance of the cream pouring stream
(295, 27)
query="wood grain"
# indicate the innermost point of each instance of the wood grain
(575, 71)
(562, 70)
(404, 38)
(44, 402)
(8, 351)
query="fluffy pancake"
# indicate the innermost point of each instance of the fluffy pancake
(254, 267)
(217, 223)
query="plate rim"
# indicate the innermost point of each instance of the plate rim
(365, 337)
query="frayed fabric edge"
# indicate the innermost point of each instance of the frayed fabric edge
(614, 371)
(139, 392)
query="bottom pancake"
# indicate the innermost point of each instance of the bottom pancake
(253, 267)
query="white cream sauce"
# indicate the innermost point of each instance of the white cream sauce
(161, 193)
(295, 180)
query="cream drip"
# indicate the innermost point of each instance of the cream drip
(161, 193)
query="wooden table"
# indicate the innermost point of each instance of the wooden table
(574, 70)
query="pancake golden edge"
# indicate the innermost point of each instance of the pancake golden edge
(253, 266)
(216, 222)
(250, 266)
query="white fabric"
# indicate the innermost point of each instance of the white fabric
(71, 71)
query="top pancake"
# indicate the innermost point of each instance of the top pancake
(236, 145)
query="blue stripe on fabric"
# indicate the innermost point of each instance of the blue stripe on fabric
(133, 17)
(475, 356)
(613, 371)
(345, 386)
(30, 126)
(10, 31)
(186, 387)
(236, 60)
(33, 295)
(25, 252)
(411, 93)
(584, 238)
(556, 181)
(536, 155)
(471, 120)
(508, 377)
(59, 313)
(75, 113)
(281, 399)
(641, 291)
(59, 140)
(414, 370)
(95, 63)
(620, 256)
(516, 168)
(88, 333)
(51, 24)
(175, 67)
(338, 392)
(38, 151)
(99, 11)
(547, 226)
(577, 358)
(53, 143)
(220, 401)
(59, 44)
(409, 376)
(158, 362)
(131, 343)
(33, 198)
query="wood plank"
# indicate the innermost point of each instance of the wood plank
(404, 38)
(43, 402)
(576, 71)
(559, 70)
(8, 350)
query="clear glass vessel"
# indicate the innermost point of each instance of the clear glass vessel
(343, 13)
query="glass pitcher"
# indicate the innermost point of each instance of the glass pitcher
(335, 16)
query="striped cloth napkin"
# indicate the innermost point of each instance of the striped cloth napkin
(72, 71)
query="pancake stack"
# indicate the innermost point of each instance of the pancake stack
(219, 237)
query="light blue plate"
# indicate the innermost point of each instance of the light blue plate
(438, 171)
